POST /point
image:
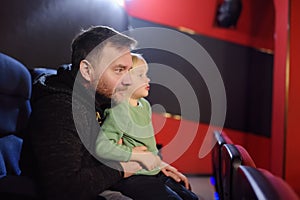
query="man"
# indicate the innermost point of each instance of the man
(63, 126)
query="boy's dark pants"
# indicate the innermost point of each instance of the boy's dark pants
(158, 187)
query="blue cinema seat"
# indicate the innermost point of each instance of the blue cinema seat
(15, 93)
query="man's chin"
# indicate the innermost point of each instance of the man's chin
(120, 96)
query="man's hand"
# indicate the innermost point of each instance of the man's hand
(172, 172)
(146, 158)
(130, 168)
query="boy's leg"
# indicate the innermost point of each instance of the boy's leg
(142, 187)
(179, 188)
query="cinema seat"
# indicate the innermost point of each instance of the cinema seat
(221, 139)
(15, 92)
(245, 156)
(258, 184)
(232, 157)
(37, 72)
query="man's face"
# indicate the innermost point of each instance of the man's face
(113, 73)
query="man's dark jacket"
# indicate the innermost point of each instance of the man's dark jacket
(60, 121)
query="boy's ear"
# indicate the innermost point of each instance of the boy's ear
(86, 70)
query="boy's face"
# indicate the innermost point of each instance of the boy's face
(140, 82)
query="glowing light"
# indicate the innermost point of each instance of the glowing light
(120, 2)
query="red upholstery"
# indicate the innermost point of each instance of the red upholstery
(246, 158)
(253, 183)
(283, 190)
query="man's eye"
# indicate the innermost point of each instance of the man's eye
(119, 69)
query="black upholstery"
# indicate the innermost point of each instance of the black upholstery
(232, 157)
(221, 139)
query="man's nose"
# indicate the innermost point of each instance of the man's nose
(127, 79)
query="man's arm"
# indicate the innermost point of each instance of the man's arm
(65, 167)
(172, 172)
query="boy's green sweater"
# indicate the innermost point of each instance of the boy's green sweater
(131, 123)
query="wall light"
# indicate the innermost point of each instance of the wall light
(228, 13)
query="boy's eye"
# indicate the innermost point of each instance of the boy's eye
(141, 75)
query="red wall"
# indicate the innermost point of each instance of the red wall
(292, 151)
(279, 87)
(255, 26)
(167, 131)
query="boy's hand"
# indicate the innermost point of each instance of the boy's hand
(120, 142)
(146, 158)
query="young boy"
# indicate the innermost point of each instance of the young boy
(127, 134)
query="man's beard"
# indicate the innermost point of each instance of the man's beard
(103, 89)
(112, 95)
(103, 95)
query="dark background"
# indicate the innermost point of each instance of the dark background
(39, 34)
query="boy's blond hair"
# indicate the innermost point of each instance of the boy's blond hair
(136, 58)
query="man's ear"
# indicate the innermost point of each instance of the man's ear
(86, 70)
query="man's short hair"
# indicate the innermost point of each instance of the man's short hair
(87, 40)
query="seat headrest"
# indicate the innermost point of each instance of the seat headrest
(15, 79)
(15, 93)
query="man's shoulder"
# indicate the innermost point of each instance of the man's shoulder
(49, 93)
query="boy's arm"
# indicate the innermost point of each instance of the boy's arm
(149, 160)
(110, 148)
(148, 157)
(108, 144)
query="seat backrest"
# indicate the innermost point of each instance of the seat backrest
(232, 157)
(260, 184)
(15, 92)
(246, 158)
(15, 109)
(221, 139)
(283, 190)
(37, 72)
